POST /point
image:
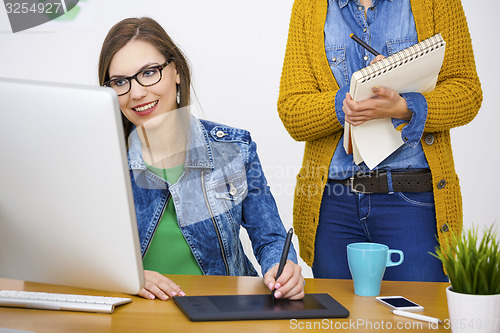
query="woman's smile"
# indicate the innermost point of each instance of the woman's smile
(145, 108)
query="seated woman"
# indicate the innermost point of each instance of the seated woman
(194, 182)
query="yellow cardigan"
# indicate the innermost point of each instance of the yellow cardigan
(306, 108)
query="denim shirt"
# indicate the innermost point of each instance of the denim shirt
(222, 189)
(389, 27)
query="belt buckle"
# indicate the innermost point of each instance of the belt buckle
(353, 189)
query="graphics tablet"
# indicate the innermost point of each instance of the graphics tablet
(257, 307)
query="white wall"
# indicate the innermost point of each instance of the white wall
(476, 146)
(236, 49)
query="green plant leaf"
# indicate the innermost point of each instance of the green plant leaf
(472, 263)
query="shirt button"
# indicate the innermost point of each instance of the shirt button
(441, 184)
(445, 227)
(360, 7)
(364, 29)
(334, 59)
(366, 58)
(429, 139)
(220, 134)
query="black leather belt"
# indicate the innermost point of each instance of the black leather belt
(419, 180)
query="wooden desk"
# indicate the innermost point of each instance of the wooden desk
(156, 316)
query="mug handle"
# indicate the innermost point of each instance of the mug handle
(392, 263)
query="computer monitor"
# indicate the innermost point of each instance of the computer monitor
(67, 214)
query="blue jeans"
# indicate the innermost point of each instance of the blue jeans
(403, 221)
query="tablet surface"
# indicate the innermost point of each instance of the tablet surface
(252, 307)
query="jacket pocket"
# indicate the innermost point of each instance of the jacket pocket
(338, 65)
(229, 194)
(396, 45)
(233, 188)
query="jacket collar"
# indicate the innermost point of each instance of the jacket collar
(199, 153)
(343, 3)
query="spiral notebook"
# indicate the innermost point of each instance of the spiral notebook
(414, 69)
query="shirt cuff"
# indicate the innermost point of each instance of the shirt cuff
(339, 102)
(412, 131)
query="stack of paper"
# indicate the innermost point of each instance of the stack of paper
(414, 69)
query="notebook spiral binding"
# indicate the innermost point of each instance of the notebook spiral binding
(402, 57)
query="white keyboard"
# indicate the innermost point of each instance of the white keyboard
(51, 301)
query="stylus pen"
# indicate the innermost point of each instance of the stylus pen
(417, 316)
(362, 43)
(284, 255)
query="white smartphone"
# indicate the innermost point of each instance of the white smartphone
(399, 303)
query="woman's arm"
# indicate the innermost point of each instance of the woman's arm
(458, 95)
(265, 229)
(305, 107)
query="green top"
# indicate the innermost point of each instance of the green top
(169, 252)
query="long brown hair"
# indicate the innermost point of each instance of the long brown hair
(146, 29)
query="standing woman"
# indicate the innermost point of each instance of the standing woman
(195, 182)
(414, 198)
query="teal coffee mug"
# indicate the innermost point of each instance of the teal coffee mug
(367, 263)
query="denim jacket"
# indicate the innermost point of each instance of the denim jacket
(222, 188)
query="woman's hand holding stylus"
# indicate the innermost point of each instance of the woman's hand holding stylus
(290, 284)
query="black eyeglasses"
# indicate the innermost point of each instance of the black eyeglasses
(146, 78)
